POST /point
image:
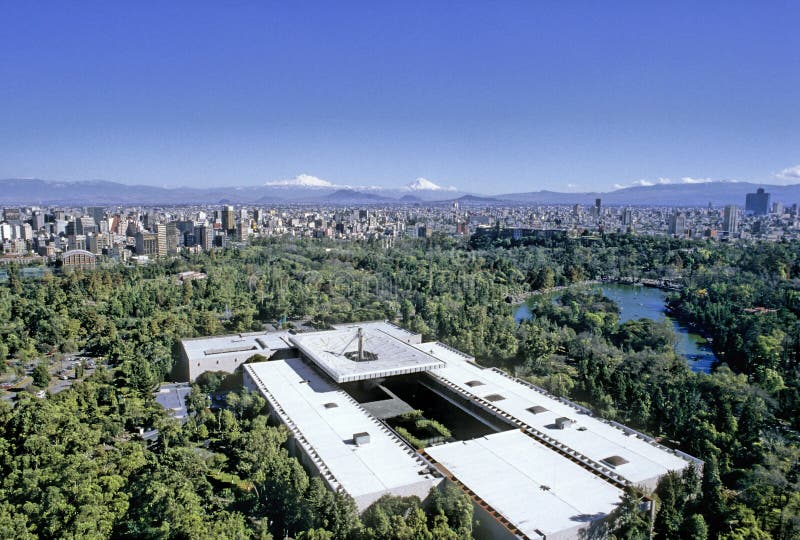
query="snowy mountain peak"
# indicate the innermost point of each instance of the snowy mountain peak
(423, 184)
(301, 180)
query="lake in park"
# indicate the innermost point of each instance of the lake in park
(639, 302)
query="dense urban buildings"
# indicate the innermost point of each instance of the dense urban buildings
(144, 233)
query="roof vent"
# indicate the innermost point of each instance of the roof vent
(536, 409)
(331, 405)
(615, 461)
(564, 422)
(361, 438)
(494, 397)
(474, 383)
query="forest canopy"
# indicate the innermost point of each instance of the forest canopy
(75, 464)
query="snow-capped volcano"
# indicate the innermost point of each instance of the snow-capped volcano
(301, 180)
(423, 184)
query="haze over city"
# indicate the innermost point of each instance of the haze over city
(484, 98)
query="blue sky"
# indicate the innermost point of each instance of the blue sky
(487, 96)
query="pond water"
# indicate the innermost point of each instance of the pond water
(639, 302)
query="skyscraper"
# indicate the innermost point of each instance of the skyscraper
(228, 218)
(204, 235)
(627, 218)
(172, 238)
(730, 222)
(677, 224)
(757, 203)
(37, 220)
(98, 213)
(161, 239)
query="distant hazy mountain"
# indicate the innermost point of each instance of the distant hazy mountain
(35, 191)
(701, 194)
(351, 196)
(550, 197)
(312, 190)
(471, 200)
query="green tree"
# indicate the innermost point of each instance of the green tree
(41, 375)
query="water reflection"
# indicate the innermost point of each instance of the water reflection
(638, 302)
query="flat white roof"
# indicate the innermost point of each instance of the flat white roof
(445, 352)
(329, 349)
(199, 349)
(534, 488)
(385, 326)
(593, 437)
(324, 419)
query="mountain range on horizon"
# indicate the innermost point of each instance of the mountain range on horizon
(305, 189)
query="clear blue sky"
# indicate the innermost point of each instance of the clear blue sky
(487, 96)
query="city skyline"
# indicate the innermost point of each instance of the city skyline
(528, 97)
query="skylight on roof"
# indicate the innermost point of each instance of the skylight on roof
(474, 383)
(615, 461)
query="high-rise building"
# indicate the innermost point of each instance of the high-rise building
(228, 218)
(172, 238)
(131, 229)
(6, 232)
(26, 232)
(148, 220)
(187, 239)
(757, 203)
(98, 213)
(12, 215)
(627, 218)
(161, 239)
(37, 220)
(94, 243)
(760, 227)
(81, 225)
(85, 225)
(204, 236)
(243, 231)
(76, 241)
(597, 208)
(677, 224)
(730, 221)
(185, 226)
(146, 243)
